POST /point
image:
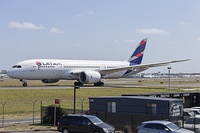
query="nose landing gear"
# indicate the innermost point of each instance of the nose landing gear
(24, 82)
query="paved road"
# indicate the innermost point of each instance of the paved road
(32, 132)
(9, 122)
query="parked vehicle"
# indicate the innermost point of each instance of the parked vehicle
(161, 126)
(194, 109)
(79, 123)
(193, 123)
(187, 113)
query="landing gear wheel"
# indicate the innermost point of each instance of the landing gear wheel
(99, 84)
(78, 84)
(25, 84)
(102, 83)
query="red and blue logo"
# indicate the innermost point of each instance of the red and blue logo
(38, 63)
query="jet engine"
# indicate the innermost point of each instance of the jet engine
(50, 80)
(89, 77)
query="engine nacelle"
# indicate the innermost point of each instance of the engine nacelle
(50, 80)
(89, 77)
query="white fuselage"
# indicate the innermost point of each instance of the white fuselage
(38, 69)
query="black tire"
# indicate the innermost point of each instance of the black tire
(99, 84)
(65, 130)
(96, 132)
(102, 83)
(24, 84)
(78, 84)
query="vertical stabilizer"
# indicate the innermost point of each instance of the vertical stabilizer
(136, 57)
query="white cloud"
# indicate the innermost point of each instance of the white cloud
(153, 31)
(26, 26)
(31, 26)
(182, 23)
(55, 30)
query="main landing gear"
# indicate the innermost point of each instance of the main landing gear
(99, 84)
(24, 82)
(95, 84)
(78, 84)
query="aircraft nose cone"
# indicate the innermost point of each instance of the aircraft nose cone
(9, 73)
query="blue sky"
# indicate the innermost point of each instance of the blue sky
(101, 29)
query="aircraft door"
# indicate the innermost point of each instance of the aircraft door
(103, 66)
(58, 71)
(33, 67)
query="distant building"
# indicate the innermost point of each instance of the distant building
(3, 72)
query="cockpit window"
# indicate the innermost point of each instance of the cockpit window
(14, 66)
(17, 66)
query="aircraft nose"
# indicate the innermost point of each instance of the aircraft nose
(10, 73)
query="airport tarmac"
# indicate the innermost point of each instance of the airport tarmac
(186, 83)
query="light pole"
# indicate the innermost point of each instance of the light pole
(169, 68)
(3, 104)
(33, 102)
(75, 87)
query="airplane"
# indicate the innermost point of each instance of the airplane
(84, 71)
(3, 75)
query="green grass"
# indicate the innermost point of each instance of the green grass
(21, 100)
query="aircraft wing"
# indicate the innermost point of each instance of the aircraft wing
(158, 64)
(136, 67)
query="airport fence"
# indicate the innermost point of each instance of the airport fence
(48, 113)
(127, 122)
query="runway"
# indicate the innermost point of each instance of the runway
(185, 83)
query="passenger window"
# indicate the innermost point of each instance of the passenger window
(85, 121)
(151, 126)
(66, 119)
(76, 120)
(161, 127)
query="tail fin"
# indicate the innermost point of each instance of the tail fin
(136, 57)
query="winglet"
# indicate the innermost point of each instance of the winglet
(136, 57)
